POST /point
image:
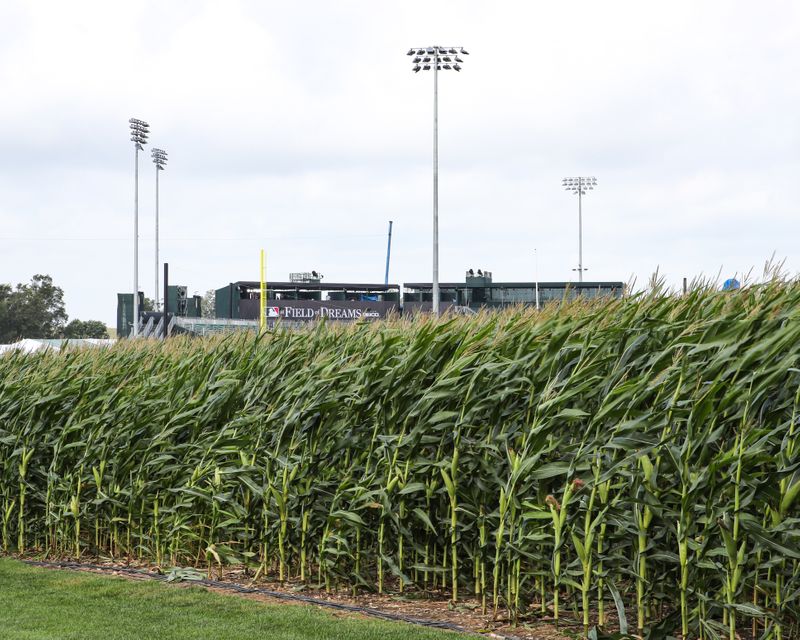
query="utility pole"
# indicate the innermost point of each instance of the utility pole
(388, 254)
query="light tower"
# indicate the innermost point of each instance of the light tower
(160, 161)
(580, 185)
(139, 132)
(425, 59)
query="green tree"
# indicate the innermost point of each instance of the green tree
(85, 329)
(34, 310)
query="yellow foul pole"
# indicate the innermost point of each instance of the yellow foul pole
(262, 316)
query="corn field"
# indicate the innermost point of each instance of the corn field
(596, 458)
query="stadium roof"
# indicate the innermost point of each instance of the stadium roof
(316, 286)
(516, 285)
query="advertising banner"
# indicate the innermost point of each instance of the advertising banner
(309, 310)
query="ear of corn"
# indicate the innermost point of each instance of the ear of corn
(640, 452)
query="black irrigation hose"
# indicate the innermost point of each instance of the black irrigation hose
(280, 595)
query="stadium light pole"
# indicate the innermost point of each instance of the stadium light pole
(425, 59)
(580, 185)
(160, 160)
(139, 132)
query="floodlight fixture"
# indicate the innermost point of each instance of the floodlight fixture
(159, 158)
(580, 185)
(139, 132)
(438, 58)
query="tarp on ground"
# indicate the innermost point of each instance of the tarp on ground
(31, 345)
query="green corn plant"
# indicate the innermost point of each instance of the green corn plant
(420, 454)
(498, 545)
(735, 550)
(480, 577)
(25, 457)
(8, 510)
(789, 491)
(97, 473)
(643, 516)
(603, 489)
(450, 484)
(75, 512)
(584, 545)
(558, 513)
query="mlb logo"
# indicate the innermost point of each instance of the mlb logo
(273, 312)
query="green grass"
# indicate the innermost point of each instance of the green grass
(45, 603)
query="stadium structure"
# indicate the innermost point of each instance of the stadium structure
(305, 298)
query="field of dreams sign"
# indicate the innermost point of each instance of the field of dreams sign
(308, 310)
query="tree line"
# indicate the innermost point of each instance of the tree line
(36, 310)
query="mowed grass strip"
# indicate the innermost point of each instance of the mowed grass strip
(44, 603)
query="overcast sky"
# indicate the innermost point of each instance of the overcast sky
(299, 127)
